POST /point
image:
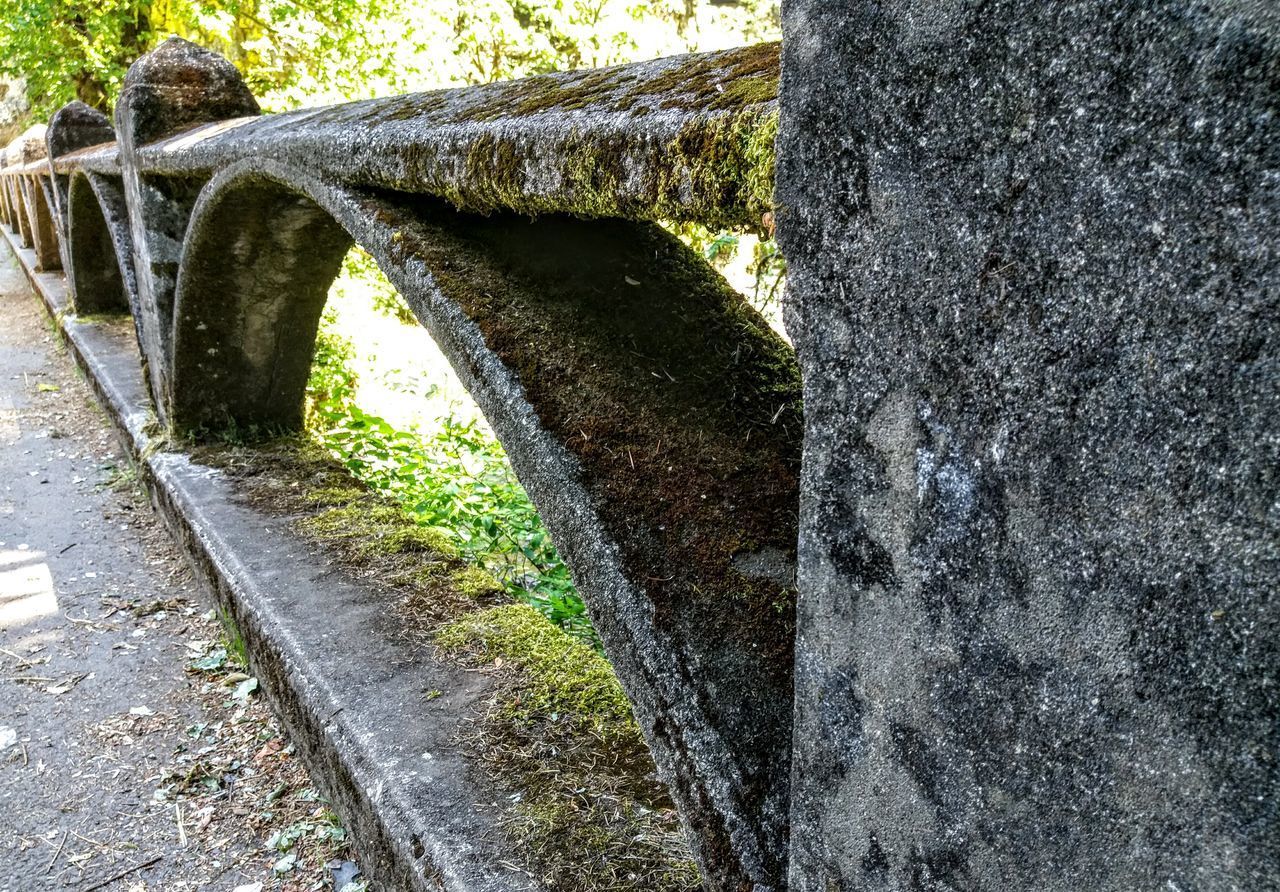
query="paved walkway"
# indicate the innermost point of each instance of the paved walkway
(116, 756)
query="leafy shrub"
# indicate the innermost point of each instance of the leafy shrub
(455, 482)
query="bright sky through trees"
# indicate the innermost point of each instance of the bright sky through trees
(310, 52)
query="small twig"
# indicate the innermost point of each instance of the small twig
(122, 874)
(182, 831)
(93, 842)
(83, 622)
(57, 852)
(21, 659)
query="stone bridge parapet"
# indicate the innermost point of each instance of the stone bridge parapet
(997, 605)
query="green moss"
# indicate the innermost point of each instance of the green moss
(747, 91)
(722, 80)
(410, 539)
(760, 156)
(494, 174)
(588, 815)
(602, 843)
(328, 496)
(232, 637)
(529, 96)
(363, 530)
(727, 163)
(101, 318)
(718, 170)
(475, 583)
(377, 529)
(561, 675)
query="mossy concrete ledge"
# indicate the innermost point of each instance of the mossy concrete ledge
(681, 138)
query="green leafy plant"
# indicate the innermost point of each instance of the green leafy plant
(455, 482)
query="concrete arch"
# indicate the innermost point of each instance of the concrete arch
(40, 217)
(6, 211)
(11, 192)
(23, 227)
(99, 250)
(574, 338)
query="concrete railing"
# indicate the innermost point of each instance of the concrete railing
(1036, 527)
(652, 415)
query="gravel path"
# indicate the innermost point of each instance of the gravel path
(131, 741)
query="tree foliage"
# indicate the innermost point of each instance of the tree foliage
(295, 52)
(81, 49)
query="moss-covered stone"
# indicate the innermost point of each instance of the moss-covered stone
(475, 583)
(713, 162)
(560, 734)
(561, 675)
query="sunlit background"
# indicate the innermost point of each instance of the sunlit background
(26, 587)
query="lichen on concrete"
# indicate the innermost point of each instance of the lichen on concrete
(682, 138)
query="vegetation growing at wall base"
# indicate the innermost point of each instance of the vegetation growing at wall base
(556, 733)
(454, 483)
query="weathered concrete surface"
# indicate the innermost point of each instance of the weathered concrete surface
(1035, 291)
(659, 440)
(686, 137)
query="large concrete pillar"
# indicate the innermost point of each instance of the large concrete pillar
(1035, 292)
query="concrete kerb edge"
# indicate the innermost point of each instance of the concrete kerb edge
(399, 845)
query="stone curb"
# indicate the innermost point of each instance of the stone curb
(348, 689)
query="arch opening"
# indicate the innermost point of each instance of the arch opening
(44, 235)
(23, 228)
(98, 281)
(255, 274)
(6, 209)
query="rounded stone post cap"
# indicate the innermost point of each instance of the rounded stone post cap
(179, 85)
(75, 126)
(28, 147)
